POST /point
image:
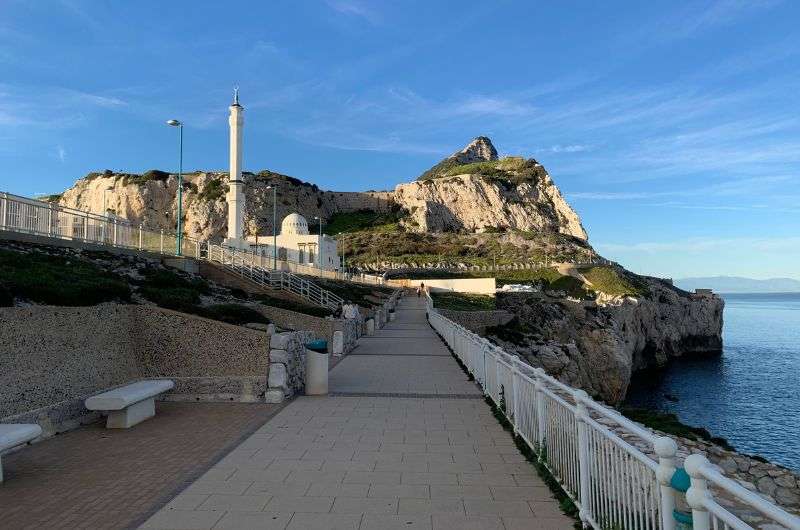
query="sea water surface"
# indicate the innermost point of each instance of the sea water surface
(749, 395)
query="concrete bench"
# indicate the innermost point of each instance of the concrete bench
(130, 404)
(14, 434)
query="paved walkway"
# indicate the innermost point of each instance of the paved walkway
(404, 441)
(98, 478)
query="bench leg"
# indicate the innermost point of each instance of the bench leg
(128, 417)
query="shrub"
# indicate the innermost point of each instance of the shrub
(6, 298)
(58, 280)
(236, 314)
(214, 190)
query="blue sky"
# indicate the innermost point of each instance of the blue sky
(673, 128)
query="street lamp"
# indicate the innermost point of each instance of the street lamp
(105, 212)
(179, 237)
(274, 226)
(319, 246)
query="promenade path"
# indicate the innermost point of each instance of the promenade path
(403, 441)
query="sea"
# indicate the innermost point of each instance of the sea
(750, 394)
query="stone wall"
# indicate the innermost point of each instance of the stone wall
(477, 321)
(287, 364)
(54, 357)
(321, 328)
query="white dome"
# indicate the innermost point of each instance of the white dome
(294, 224)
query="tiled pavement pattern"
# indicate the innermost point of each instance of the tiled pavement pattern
(372, 461)
(95, 478)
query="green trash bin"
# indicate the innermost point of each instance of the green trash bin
(682, 514)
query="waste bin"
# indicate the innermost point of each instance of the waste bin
(317, 368)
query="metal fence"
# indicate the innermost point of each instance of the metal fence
(29, 216)
(248, 264)
(614, 484)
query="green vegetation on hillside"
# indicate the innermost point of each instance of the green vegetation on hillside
(57, 280)
(171, 290)
(363, 295)
(368, 220)
(291, 305)
(463, 301)
(147, 176)
(669, 423)
(236, 314)
(608, 280)
(213, 190)
(511, 169)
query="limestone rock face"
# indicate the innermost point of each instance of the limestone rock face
(475, 203)
(600, 345)
(510, 193)
(478, 150)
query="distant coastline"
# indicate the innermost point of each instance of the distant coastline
(740, 285)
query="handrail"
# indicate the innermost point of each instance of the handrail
(612, 482)
(30, 216)
(244, 264)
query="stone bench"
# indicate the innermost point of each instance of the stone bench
(130, 404)
(14, 434)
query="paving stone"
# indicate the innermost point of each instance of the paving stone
(369, 505)
(183, 520)
(253, 521)
(431, 506)
(324, 521)
(460, 522)
(235, 503)
(396, 522)
(411, 491)
(501, 508)
(300, 504)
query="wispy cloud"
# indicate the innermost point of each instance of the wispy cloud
(702, 245)
(355, 8)
(61, 153)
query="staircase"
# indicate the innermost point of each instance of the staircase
(243, 264)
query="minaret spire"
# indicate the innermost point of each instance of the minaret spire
(235, 195)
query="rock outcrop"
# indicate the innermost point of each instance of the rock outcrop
(599, 345)
(476, 204)
(512, 193)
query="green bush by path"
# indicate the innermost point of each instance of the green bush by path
(58, 280)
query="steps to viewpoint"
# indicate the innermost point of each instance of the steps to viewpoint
(405, 440)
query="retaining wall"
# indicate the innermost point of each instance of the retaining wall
(477, 321)
(53, 358)
(459, 285)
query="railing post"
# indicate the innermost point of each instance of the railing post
(86, 227)
(515, 394)
(541, 411)
(666, 449)
(698, 491)
(5, 211)
(161, 250)
(50, 219)
(140, 237)
(114, 242)
(583, 454)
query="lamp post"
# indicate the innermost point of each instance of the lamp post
(274, 189)
(105, 212)
(179, 236)
(319, 246)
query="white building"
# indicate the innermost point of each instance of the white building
(295, 244)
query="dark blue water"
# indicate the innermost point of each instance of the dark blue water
(751, 394)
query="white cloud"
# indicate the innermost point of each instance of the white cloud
(356, 9)
(61, 153)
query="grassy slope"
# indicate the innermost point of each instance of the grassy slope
(463, 301)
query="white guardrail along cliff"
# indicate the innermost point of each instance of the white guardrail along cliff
(614, 484)
(29, 216)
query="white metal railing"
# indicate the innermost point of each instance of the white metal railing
(29, 216)
(248, 265)
(614, 484)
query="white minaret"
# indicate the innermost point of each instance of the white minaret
(235, 195)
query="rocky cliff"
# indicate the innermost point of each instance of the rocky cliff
(462, 193)
(599, 344)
